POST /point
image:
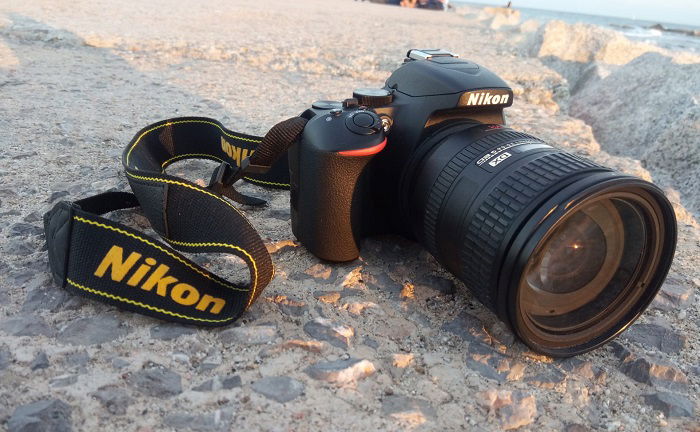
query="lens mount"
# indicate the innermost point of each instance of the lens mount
(563, 302)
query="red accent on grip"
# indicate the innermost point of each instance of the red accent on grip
(365, 151)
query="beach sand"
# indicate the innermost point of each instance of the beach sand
(389, 342)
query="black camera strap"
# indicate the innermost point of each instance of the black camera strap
(98, 258)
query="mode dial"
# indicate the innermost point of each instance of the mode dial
(373, 97)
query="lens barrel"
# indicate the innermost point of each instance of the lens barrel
(567, 252)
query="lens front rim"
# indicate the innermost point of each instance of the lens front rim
(563, 203)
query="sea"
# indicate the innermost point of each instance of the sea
(666, 35)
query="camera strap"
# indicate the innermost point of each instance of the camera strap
(95, 257)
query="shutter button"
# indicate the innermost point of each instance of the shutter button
(363, 120)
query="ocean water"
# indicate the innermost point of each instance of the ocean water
(637, 30)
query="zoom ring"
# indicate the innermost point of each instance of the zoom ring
(488, 227)
(451, 172)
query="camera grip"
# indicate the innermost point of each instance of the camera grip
(327, 199)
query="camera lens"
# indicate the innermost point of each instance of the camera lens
(567, 252)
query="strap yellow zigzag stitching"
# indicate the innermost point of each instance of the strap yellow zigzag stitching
(181, 122)
(252, 261)
(150, 243)
(143, 305)
(266, 182)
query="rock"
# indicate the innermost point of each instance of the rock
(548, 379)
(323, 329)
(320, 271)
(671, 404)
(341, 372)
(63, 380)
(329, 297)
(250, 335)
(217, 421)
(40, 361)
(501, 333)
(167, 331)
(5, 358)
(370, 342)
(437, 284)
(279, 388)
(398, 364)
(664, 142)
(76, 360)
(468, 327)
(119, 363)
(315, 347)
(656, 336)
(93, 330)
(497, 368)
(377, 279)
(43, 297)
(22, 229)
(219, 383)
(513, 409)
(674, 294)
(289, 306)
(114, 399)
(45, 415)
(25, 325)
(156, 380)
(409, 411)
(655, 372)
(581, 368)
(211, 361)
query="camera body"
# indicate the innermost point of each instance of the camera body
(355, 156)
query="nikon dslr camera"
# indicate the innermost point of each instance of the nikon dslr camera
(567, 252)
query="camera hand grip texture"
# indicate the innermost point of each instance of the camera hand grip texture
(326, 172)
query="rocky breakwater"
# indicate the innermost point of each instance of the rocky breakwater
(641, 101)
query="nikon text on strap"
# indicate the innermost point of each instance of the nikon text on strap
(98, 258)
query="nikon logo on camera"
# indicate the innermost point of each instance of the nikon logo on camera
(486, 97)
(149, 274)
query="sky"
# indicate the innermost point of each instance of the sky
(669, 11)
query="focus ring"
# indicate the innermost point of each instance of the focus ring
(494, 217)
(451, 172)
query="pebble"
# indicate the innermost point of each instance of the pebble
(436, 284)
(656, 336)
(468, 327)
(45, 415)
(338, 335)
(168, 331)
(583, 368)
(156, 380)
(320, 271)
(45, 297)
(674, 294)
(289, 306)
(513, 409)
(548, 379)
(5, 358)
(63, 380)
(115, 400)
(279, 388)
(22, 229)
(217, 421)
(40, 361)
(409, 411)
(655, 372)
(219, 383)
(25, 325)
(341, 372)
(671, 404)
(249, 335)
(93, 330)
(377, 279)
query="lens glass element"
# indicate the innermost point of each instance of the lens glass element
(581, 270)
